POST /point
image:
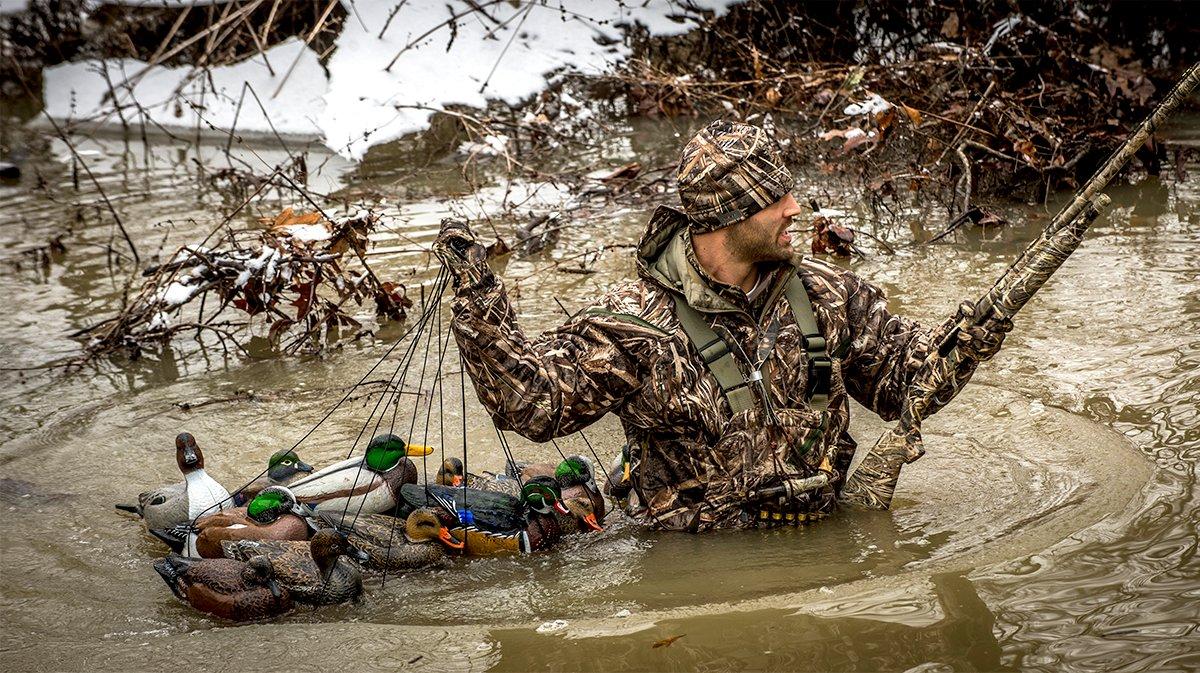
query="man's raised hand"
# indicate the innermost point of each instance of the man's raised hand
(462, 255)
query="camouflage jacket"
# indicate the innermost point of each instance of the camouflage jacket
(693, 460)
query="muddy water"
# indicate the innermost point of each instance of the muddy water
(1052, 525)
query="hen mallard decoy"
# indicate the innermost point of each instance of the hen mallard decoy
(283, 468)
(582, 517)
(367, 484)
(394, 544)
(182, 502)
(235, 590)
(313, 571)
(271, 515)
(451, 473)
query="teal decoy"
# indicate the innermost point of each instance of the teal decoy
(367, 484)
(235, 590)
(283, 467)
(314, 571)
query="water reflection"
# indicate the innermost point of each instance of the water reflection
(961, 637)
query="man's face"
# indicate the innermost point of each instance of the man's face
(764, 237)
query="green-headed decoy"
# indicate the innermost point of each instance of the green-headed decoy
(283, 467)
(313, 571)
(367, 484)
(235, 590)
(271, 515)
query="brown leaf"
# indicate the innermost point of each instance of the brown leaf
(626, 172)
(884, 119)
(282, 217)
(950, 25)
(666, 642)
(914, 115)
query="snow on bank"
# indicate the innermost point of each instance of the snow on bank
(502, 52)
(171, 97)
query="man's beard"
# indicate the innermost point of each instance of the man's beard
(755, 244)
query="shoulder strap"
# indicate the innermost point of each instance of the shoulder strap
(716, 356)
(819, 364)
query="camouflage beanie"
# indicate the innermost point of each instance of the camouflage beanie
(728, 172)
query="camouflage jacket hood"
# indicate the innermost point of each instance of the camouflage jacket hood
(692, 459)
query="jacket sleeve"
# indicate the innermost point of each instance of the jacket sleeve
(886, 350)
(554, 384)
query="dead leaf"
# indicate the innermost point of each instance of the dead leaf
(841, 133)
(914, 115)
(950, 25)
(626, 172)
(666, 642)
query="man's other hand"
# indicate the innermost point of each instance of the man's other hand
(981, 342)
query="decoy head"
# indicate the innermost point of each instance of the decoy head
(285, 465)
(450, 473)
(187, 454)
(542, 495)
(423, 525)
(582, 509)
(387, 450)
(259, 571)
(271, 503)
(575, 470)
(328, 544)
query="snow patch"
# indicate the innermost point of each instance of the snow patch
(873, 105)
(380, 88)
(171, 98)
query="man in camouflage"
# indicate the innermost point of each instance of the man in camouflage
(701, 450)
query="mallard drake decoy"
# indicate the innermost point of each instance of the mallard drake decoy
(394, 545)
(271, 515)
(234, 590)
(283, 467)
(367, 484)
(313, 571)
(182, 502)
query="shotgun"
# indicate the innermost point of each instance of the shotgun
(872, 482)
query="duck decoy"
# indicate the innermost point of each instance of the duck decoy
(283, 468)
(451, 473)
(271, 515)
(367, 484)
(235, 590)
(394, 544)
(576, 477)
(493, 511)
(582, 517)
(313, 571)
(180, 503)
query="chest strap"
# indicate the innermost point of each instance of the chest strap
(721, 362)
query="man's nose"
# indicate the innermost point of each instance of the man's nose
(790, 207)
